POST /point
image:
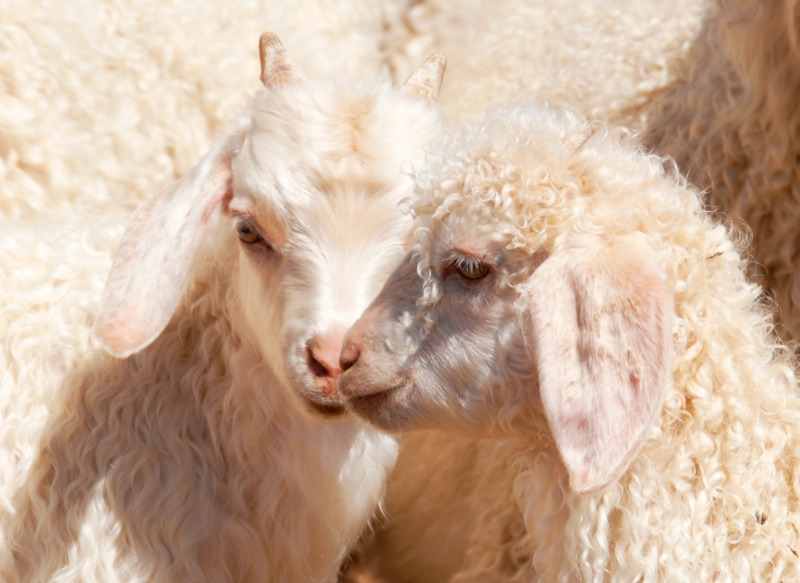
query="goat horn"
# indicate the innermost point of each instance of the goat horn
(426, 80)
(276, 66)
(578, 141)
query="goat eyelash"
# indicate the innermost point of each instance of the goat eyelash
(469, 267)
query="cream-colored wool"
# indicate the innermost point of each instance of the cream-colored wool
(218, 450)
(105, 104)
(547, 240)
(597, 57)
(730, 119)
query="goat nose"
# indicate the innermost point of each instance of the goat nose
(349, 356)
(323, 355)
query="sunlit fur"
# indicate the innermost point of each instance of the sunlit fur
(711, 83)
(107, 107)
(599, 57)
(197, 458)
(730, 119)
(711, 495)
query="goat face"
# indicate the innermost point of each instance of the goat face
(316, 192)
(430, 349)
(511, 316)
(309, 187)
(494, 342)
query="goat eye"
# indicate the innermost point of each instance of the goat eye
(470, 267)
(247, 231)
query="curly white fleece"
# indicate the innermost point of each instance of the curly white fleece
(598, 57)
(714, 492)
(711, 83)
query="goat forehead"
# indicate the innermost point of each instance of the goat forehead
(342, 246)
(339, 135)
(339, 132)
(476, 234)
(289, 183)
(350, 230)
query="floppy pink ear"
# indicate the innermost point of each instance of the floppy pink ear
(151, 269)
(601, 317)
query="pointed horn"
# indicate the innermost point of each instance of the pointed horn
(426, 80)
(276, 66)
(577, 141)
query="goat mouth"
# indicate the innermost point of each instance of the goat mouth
(326, 409)
(378, 408)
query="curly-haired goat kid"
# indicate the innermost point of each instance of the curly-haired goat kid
(217, 449)
(714, 84)
(570, 296)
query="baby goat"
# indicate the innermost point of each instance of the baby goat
(570, 296)
(215, 447)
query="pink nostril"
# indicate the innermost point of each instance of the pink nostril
(317, 368)
(349, 355)
(323, 354)
(323, 363)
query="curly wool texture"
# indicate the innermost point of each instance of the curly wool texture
(714, 492)
(730, 120)
(714, 85)
(72, 257)
(105, 104)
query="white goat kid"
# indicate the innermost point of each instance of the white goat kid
(205, 455)
(570, 296)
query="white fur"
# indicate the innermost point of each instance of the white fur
(674, 371)
(598, 57)
(104, 105)
(215, 451)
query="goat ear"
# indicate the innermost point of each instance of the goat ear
(152, 265)
(426, 81)
(602, 343)
(276, 66)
